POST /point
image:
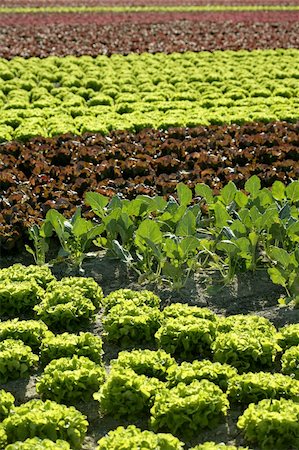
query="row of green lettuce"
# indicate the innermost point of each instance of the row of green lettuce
(180, 398)
(168, 240)
(68, 379)
(80, 94)
(37, 425)
(151, 8)
(185, 409)
(132, 318)
(246, 343)
(64, 428)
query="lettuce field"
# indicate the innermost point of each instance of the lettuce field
(149, 225)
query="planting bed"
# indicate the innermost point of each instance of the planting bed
(41, 3)
(109, 17)
(248, 295)
(61, 34)
(57, 172)
(145, 91)
(62, 39)
(162, 189)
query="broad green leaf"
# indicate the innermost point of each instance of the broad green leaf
(244, 245)
(165, 217)
(113, 215)
(155, 249)
(82, 226)
(111, 223)
(187, 225)
(254, 238)
(179, 214)
(150, 230)
(184, 194)
(171, 208)
(245, 217)
(125, 221)
(278, 190)
(277, 276)
(57, 220)
(189, 244)
(54, 216)
(115, 203)
(292, 191)
(204, 191)
(241, 199)
(95, 231)
(76, 216)
(171, 219)
(126, 236)
(293, 231)
(46, 229)
(294, 262)
(294, 283)
(280, 255)
(264, 198)
(227, 194)
(171, 271)
(138, 207)
(255, 215)
(157, 203)
(269, 217)
(253, 185)
(97, 202)
(170, 248)
(111, 230)
(196, 211)
(291, 221)
(238, 228)
(295, 212)
(221, 215)
(285, 212)
(229, 247)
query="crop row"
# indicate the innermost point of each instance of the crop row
(225, 32)
(151, 8)
(169, 240)
(41, 3)
(40, 18)
(221, 363)
(39, 97)
(57, 172)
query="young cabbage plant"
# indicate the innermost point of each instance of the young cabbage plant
(148, 244)
(40, 237)
(121, 218)
(75, 236)
(167, 256)
(285, 272)
(181, 259)
(173, 211)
